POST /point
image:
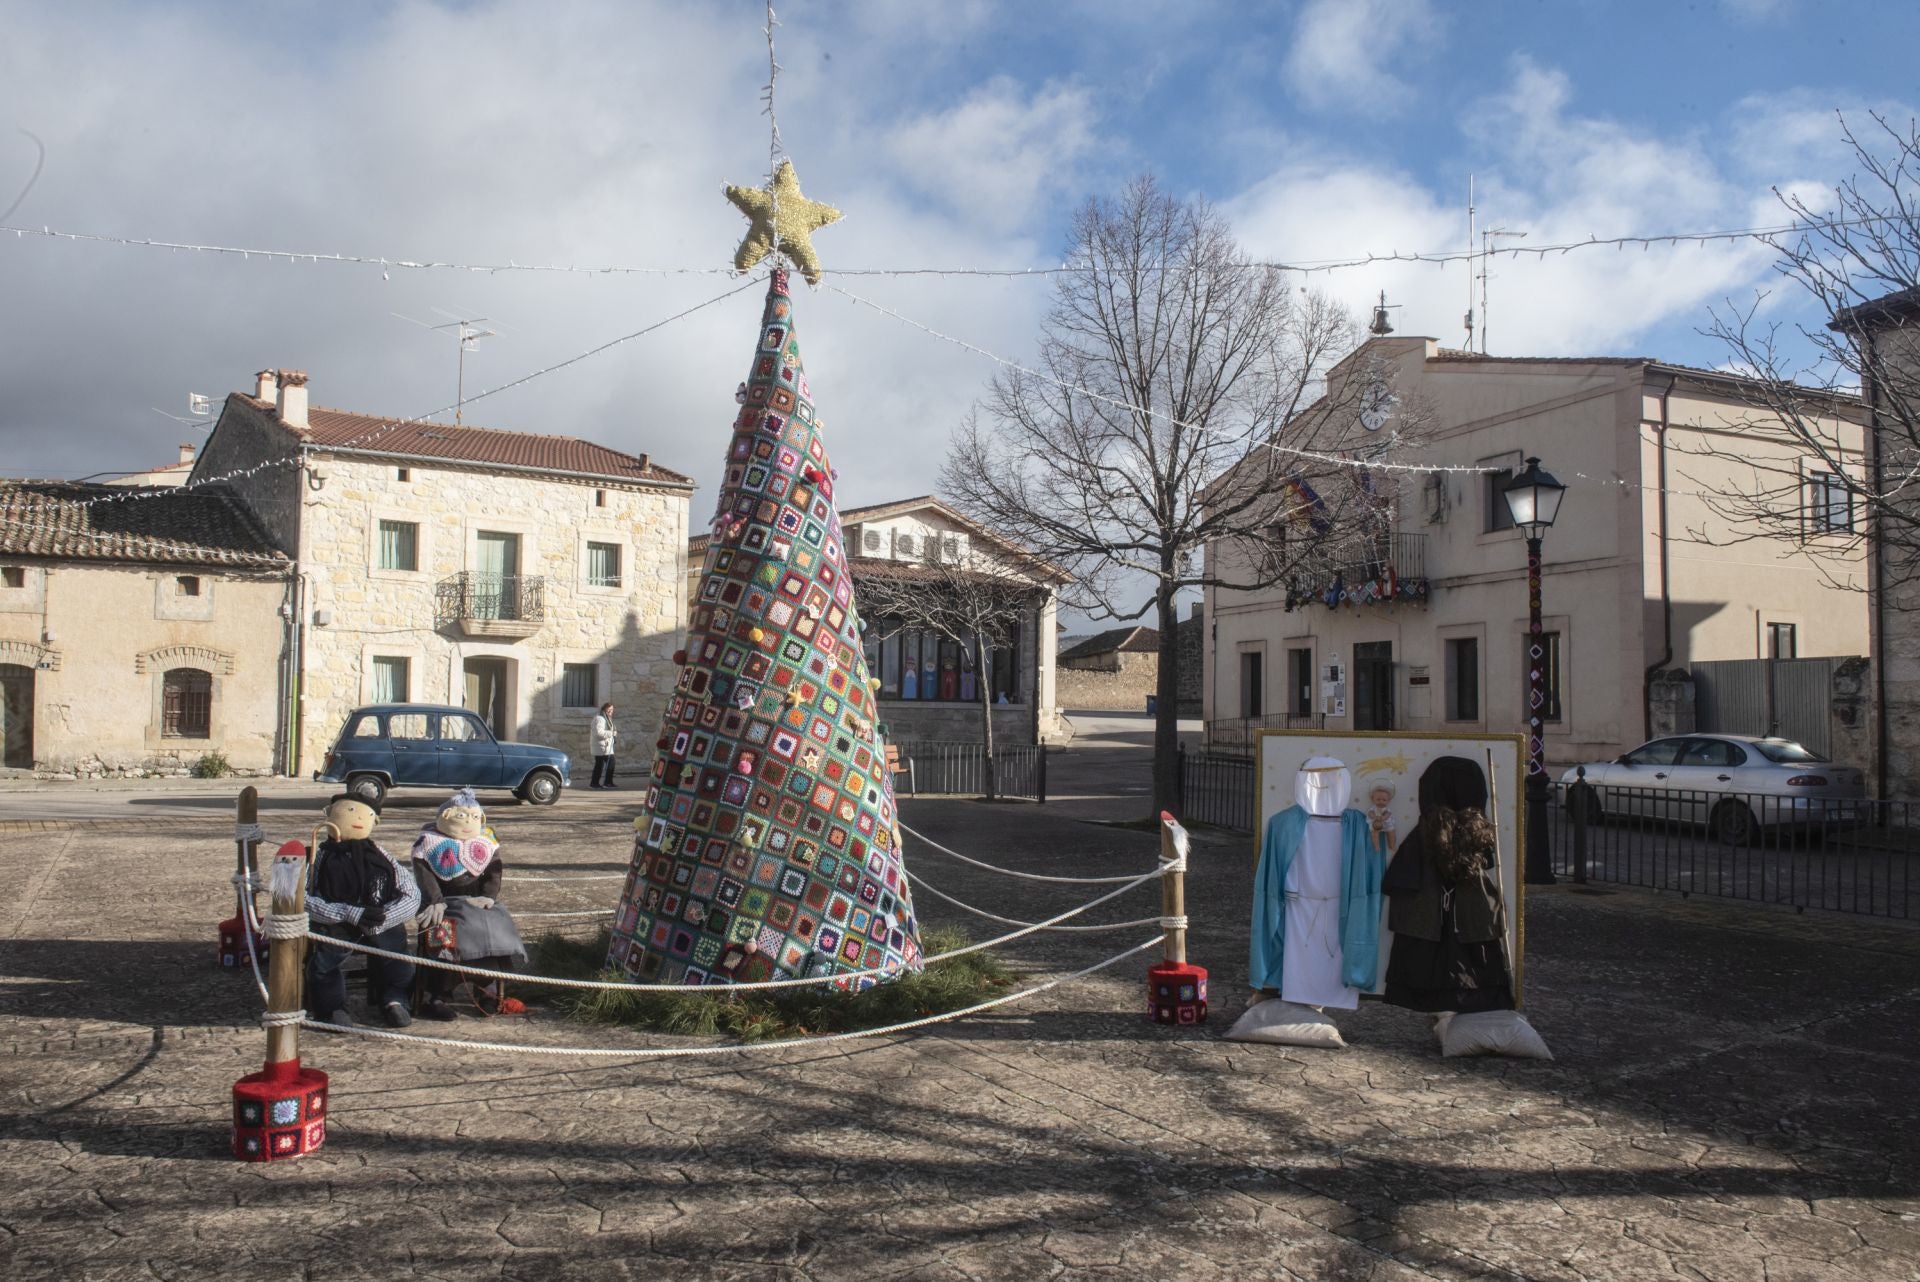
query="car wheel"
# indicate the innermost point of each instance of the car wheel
(371, 789)
(1733, 824)
(542, 788)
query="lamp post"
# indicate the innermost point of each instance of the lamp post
(1533, 497)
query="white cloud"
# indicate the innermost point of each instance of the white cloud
(1342, 49)
(992, 157)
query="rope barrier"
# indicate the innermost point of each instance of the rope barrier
(282, 1018)
(920, 883)
(289, 926)
(612, 985)
(925, 840)
(249, 832)
(685, 1052)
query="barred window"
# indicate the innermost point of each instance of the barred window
(603, 565)
(577, 685)
(186, 704)
(399, 545)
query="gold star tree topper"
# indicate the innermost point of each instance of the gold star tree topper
(780, 207)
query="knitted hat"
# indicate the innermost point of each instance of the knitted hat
(770, 847)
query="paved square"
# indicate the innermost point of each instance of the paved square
(1735, 1098)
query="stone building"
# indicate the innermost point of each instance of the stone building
(140, 630)
(527, 577)
(924, 691)
(1643, 572)
(1113, 671)
(1886, 332)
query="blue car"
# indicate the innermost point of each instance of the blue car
(392, 745)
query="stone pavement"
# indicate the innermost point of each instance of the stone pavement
(1735, 1098)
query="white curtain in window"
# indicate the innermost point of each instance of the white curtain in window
(389, 680)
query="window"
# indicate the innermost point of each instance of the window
(577, 685)
(1250, 691)
(14, 576)
(1783, 641)
(186, 585)
(1463, 679)
(462, 728)
(390, 679)
(1712, 752)
(399, 545)
(1499, 515)
(921, 665)
(1549, 674)
(1829, 504)
(1300, 682)
(599, 498)
(409, 725)
(402, 474)
(603, 565)
(1661, 752)
(367, 727)
(186, 704)
(1786, 752)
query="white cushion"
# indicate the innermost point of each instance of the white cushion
(1282, 1023)
(1490, 1032)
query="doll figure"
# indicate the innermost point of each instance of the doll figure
(357, 891)
(1380, 821)
(457, 867)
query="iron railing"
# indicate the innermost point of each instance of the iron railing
(512, 598)
(1216, 789)
(1239, 734)
(1840, 856)
(1389, 569)
(930, 768)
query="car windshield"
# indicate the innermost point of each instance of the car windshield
(1786, 752)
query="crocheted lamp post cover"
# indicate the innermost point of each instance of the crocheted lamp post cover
(769, 848)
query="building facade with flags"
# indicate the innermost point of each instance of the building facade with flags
(1422, 627)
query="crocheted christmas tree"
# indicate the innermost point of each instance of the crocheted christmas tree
(770, 847)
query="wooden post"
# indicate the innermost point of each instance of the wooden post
(235, 945)
(280, 1112)
(247, 818)
(1173, 889)
(1176, 990)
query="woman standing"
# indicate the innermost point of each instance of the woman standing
(603, 736)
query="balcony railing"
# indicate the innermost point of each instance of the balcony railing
(492, 605)
(1392, 569)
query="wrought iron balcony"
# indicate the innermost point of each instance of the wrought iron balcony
(1391, 570)
(492, 605)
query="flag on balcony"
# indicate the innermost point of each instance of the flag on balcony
(769, 846)
(1305, 508)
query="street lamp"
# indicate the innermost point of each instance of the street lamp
(1533, 497)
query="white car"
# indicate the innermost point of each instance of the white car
(1736, 785)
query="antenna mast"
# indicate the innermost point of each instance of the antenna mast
(1471, 237)
(1487, 238)
(467, 330)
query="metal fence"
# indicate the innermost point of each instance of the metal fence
(1239, 734)
(960, 769)
(1214, 788)
(1840, 856)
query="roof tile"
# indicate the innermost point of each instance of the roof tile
(206, 525)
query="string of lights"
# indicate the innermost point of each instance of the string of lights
(389, 263)
(373, 434)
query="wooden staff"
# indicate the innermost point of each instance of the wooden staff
(287, 958)
(1173, 886)
(246, 853)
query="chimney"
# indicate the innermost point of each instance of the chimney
(265, 383)
(186, 452)
(293, 397)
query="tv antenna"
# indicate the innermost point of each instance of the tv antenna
(466, 329)
(1487, 238)
(1470, 239)
(199, 407)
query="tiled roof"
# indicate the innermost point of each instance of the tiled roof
(879, 567)
(338, 429)
(1454, 354)
(202, 526)
(1887, 310)
(1136, 640)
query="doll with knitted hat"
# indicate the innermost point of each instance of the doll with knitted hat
(457, 867)
(358, 892)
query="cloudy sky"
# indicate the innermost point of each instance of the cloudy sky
(954, 135)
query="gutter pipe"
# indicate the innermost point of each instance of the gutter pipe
(1666, 588)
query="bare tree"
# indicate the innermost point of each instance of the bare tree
(1857, 258)
(1167, 359)
(967, 599)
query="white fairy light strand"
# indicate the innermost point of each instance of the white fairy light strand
(392, 425)
(774, 147)
(387, 264)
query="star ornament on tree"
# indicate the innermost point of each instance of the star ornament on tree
(780, 207)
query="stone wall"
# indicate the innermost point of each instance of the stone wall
(1121, 685)
(1191, 639)
(628, 633)
(112, 633)
(258, 458)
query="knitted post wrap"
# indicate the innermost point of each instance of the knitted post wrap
(769, 848)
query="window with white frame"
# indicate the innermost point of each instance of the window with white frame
(603, 565)
(578, 682)
(390, 678)
(399, 545)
